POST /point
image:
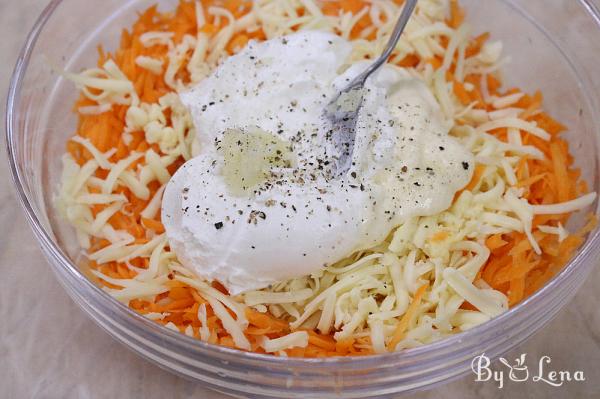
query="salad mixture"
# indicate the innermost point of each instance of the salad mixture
(202, 186)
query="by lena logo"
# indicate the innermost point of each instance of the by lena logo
(518, 371)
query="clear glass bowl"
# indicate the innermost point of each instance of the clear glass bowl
(555, 47)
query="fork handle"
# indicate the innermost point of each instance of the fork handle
(407, 10)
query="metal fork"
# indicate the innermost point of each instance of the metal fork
(342, 111)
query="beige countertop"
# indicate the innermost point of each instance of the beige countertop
(50, 349)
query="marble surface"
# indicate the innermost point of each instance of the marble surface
(50, 349)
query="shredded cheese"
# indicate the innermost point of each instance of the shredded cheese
(565, 207)
(296, 339)
(151, 64)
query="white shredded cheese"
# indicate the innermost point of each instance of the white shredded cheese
(472, 294)
(298, 339)
(117, 170)
(514, 123)
(559, 230)
(150, 39)
(151, 64)
(94, 109)
(507, 101)
(101, 158)
(150, 211)
(229, 323)
(565, 207)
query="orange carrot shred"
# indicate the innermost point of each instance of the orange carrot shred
(406, 318)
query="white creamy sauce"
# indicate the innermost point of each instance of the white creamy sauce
(301, 218)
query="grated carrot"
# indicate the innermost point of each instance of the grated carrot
(495, 241)
(440, 236)
(475, 44)
(461, 93)
(406, 318)
(479, 169)
(457, 14)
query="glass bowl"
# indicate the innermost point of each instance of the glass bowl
(555, 47)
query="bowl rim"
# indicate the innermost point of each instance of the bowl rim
(46, 240)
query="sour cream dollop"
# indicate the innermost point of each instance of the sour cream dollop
(260, 113)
